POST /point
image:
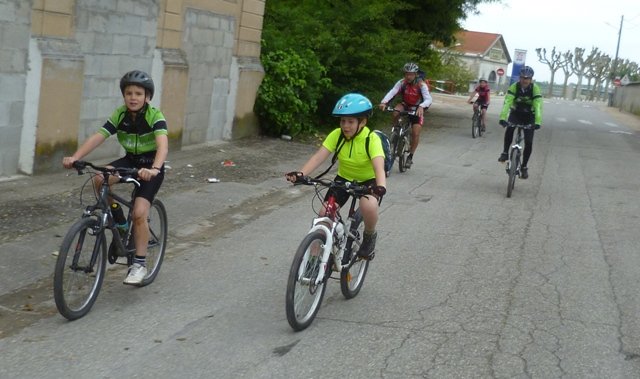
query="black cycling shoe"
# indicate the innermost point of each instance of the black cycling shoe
(503, 157)
(368, 245)
(409, 161)
(524, 172)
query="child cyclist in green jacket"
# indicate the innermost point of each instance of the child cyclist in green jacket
(354, 163)
(142, 132)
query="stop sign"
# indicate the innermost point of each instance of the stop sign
(616, 82)
(500, 72)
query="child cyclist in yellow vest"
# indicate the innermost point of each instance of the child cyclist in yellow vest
(142, 131)
(354, 163)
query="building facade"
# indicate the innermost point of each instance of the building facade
(486, 55)
(61, 62)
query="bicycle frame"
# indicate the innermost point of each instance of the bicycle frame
(322, 223)
(105, 218)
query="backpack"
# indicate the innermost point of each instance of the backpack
(386, 148)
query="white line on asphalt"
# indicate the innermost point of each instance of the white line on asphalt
(561, 119)
(611, 124)
(585, 122)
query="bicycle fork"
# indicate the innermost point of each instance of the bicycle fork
(515, 149)
(322, 224)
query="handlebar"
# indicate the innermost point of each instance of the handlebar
(526, 126)
(126, 174)
(353, 188)
(402, 113)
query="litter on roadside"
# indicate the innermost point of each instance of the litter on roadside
(213, 180)
(227, 163)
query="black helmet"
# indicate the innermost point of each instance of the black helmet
(139, 78)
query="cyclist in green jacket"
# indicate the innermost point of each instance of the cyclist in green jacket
(355, 163)
(142, 131)
(522, 106)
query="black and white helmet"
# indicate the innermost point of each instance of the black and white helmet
(139, 78)
(411, 67)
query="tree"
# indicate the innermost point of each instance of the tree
(598, 70)
(358, 45)
(554, 62)
(567, 58)
(579, 66)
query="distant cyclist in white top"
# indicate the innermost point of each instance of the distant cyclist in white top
(415, 97)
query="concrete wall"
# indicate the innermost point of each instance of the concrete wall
(627, 98)
(61, 61)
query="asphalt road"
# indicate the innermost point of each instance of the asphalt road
(466, 283)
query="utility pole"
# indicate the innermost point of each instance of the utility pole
(615, 61)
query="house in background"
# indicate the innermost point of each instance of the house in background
(486, 55)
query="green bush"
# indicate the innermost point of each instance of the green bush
(288, 96)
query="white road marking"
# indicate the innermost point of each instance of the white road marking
(585, 122)
(611, 124)
(619, 132)
(561, 119)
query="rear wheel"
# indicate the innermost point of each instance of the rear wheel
(304, 296)
(157, 240)
(351, 279)
(394, 140)
(80, 268)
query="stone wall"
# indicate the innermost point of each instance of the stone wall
(61, 61)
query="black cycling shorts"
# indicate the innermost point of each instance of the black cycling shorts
(147, 189)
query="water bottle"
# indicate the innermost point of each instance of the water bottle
(118, 218)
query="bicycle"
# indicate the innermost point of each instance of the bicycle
(401, 137)
(326, 248)
(515, 152)
(82, 258)
(476, 122)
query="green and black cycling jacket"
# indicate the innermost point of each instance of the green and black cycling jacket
(137, 136)
(523, 101)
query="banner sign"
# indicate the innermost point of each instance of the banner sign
(518, 63)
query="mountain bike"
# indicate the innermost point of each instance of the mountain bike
(331, 245)
(400, 139)
(515, 153)
(476, 123)
(81, 263)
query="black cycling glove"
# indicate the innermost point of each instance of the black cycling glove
(503, 123)
(378, 191)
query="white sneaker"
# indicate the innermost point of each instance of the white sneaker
(137, 272)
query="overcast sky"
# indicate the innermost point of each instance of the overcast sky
(565, 24)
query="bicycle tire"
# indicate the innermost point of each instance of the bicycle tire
(157, 241)
(69, 276)
(475, 130)
(302, 275)
(350, 284)
(402, 167)
(513, 168)
(479, 124)
(394, 147)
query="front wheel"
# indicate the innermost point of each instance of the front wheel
(514, 162)
(475, 126)
(352, 278)
(402, 162)
(304, 296)
(157, 240)
(80, 268)
(394, 142)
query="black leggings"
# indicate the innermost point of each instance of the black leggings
(528, 143)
